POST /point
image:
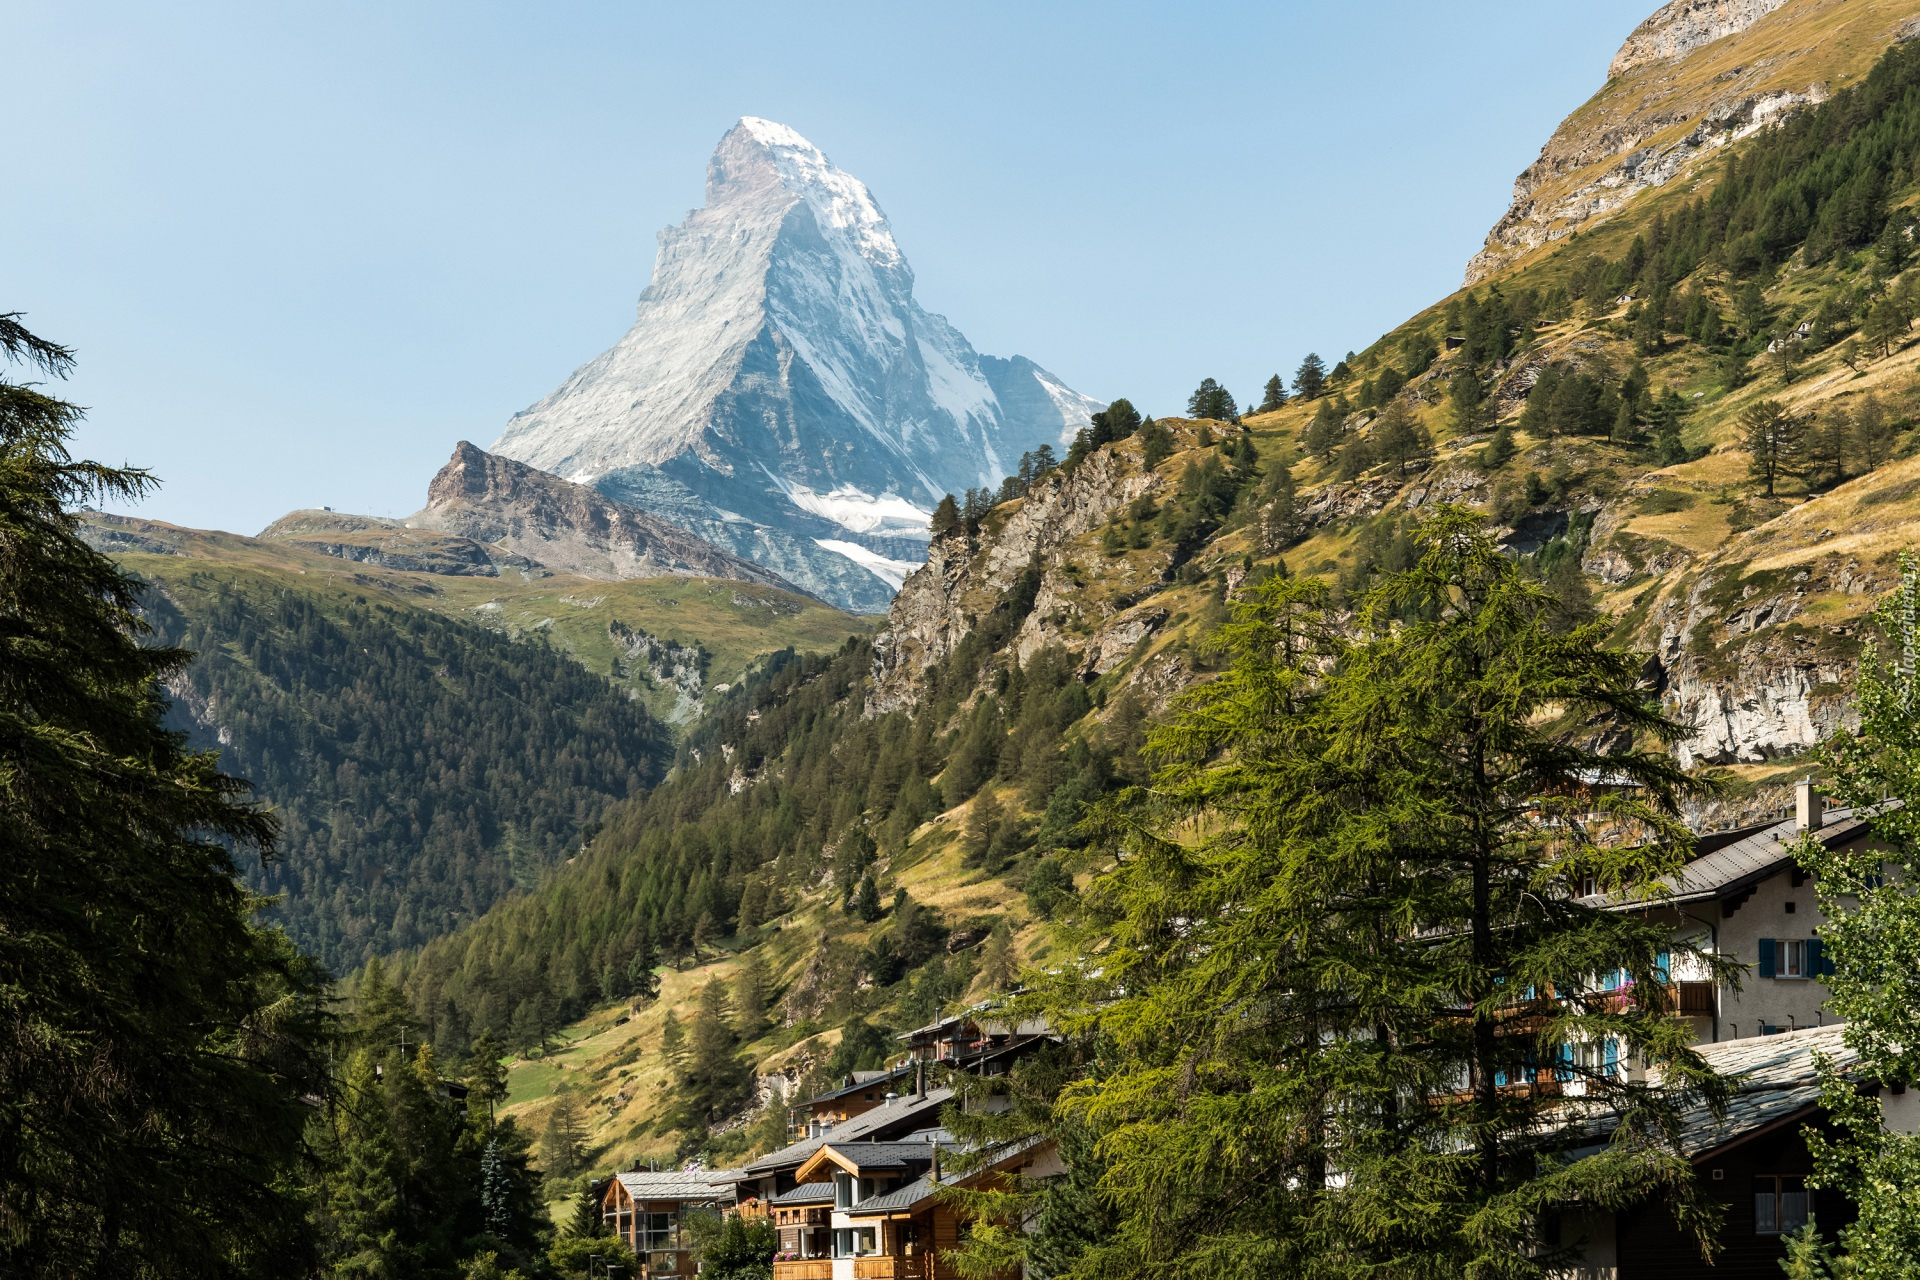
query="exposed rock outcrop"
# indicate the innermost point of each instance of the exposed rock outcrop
(567, 527)
(1677, 29)
(1693, 78)
(391, 545)
(966, 575)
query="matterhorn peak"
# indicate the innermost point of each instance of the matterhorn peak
(782, 393)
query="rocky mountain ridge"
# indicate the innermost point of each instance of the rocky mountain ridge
(1695, 78)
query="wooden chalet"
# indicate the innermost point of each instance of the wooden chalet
(756, 1184)
(872, 1210)
(648, 1212)
(976, 1042)
(862, 1092)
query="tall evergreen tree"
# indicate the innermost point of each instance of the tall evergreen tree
(1342, 930)
(159, 1042)
(1310, 379)
(1771, 435)
(716, 1080)
(1211, 400)
(1275, 396)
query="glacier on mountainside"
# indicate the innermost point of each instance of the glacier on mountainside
(782, 393)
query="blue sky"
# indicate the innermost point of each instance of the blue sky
(303, 248)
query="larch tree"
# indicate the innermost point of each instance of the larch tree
(1310, 379)
(1274, 396)
(1323, 951)
(1771, 435)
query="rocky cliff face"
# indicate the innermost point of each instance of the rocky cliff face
(783, 394)
(1677, 29)
(1693, 78)
(566, 527)
(1089, 602)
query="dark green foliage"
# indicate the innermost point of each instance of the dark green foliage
(1499, 450)
(1156, 444)
(1400, 439)
(159, 1043)
(1310, 379)
(422, 767)
(1074, 1215)
(946, 515)
(1280, 521)
(1356, 459)
(1274, 395)
(737, 1247)
(1774, 438)
(715, 1080)
(1212, 401)
(1343, 922)
(1324, 432)
(1869, 897)
(585, 1222)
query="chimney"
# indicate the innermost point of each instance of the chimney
(936, 1160)
(1808, 810)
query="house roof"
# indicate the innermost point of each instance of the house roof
(900, 1201)
(863, 1080)
(907, 1198)
(901, 1116)
(676, 1184)
(1775, 1078)
(1756, 855)
(864, 1158)
(805, 1193)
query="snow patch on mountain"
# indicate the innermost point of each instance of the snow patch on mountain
(848, 507)
(891, 572)
(781, 373)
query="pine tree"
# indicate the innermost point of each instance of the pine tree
(486, 1076)
(752, 991)
(1771, 435)
(1499, 450)
(1398, 439)
(159, 1042)
(715, 1080)
(1325, 433)
(999, 966)
(564, 1140)
(673, 1043)
(1275, 396)
(1211, 400)
(1279, 510)
(1343, 923)
(946, 515)
(1156, 444)
(496, 1194)
(866, 901)
(1310, 379)
(642, 982)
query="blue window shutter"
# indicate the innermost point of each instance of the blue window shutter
(1816, 959)
(1766, 957)
(1663, 966)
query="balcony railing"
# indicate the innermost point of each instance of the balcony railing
(887, 1267)
(804, 1269)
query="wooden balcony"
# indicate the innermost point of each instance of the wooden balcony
(887, 1267)
(804, 1269)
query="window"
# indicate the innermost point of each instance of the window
(853, 1242)
(843, 1191)
(1779, 1205)
(656, 1230)
(1792, 958)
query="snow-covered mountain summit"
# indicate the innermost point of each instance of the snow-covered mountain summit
(782, 393)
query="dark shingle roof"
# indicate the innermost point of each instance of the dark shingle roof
(1774, 1077)
(1747, 861)
(805, 1193)
(902, 1115)
(907, 1197)
(881, 1156)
